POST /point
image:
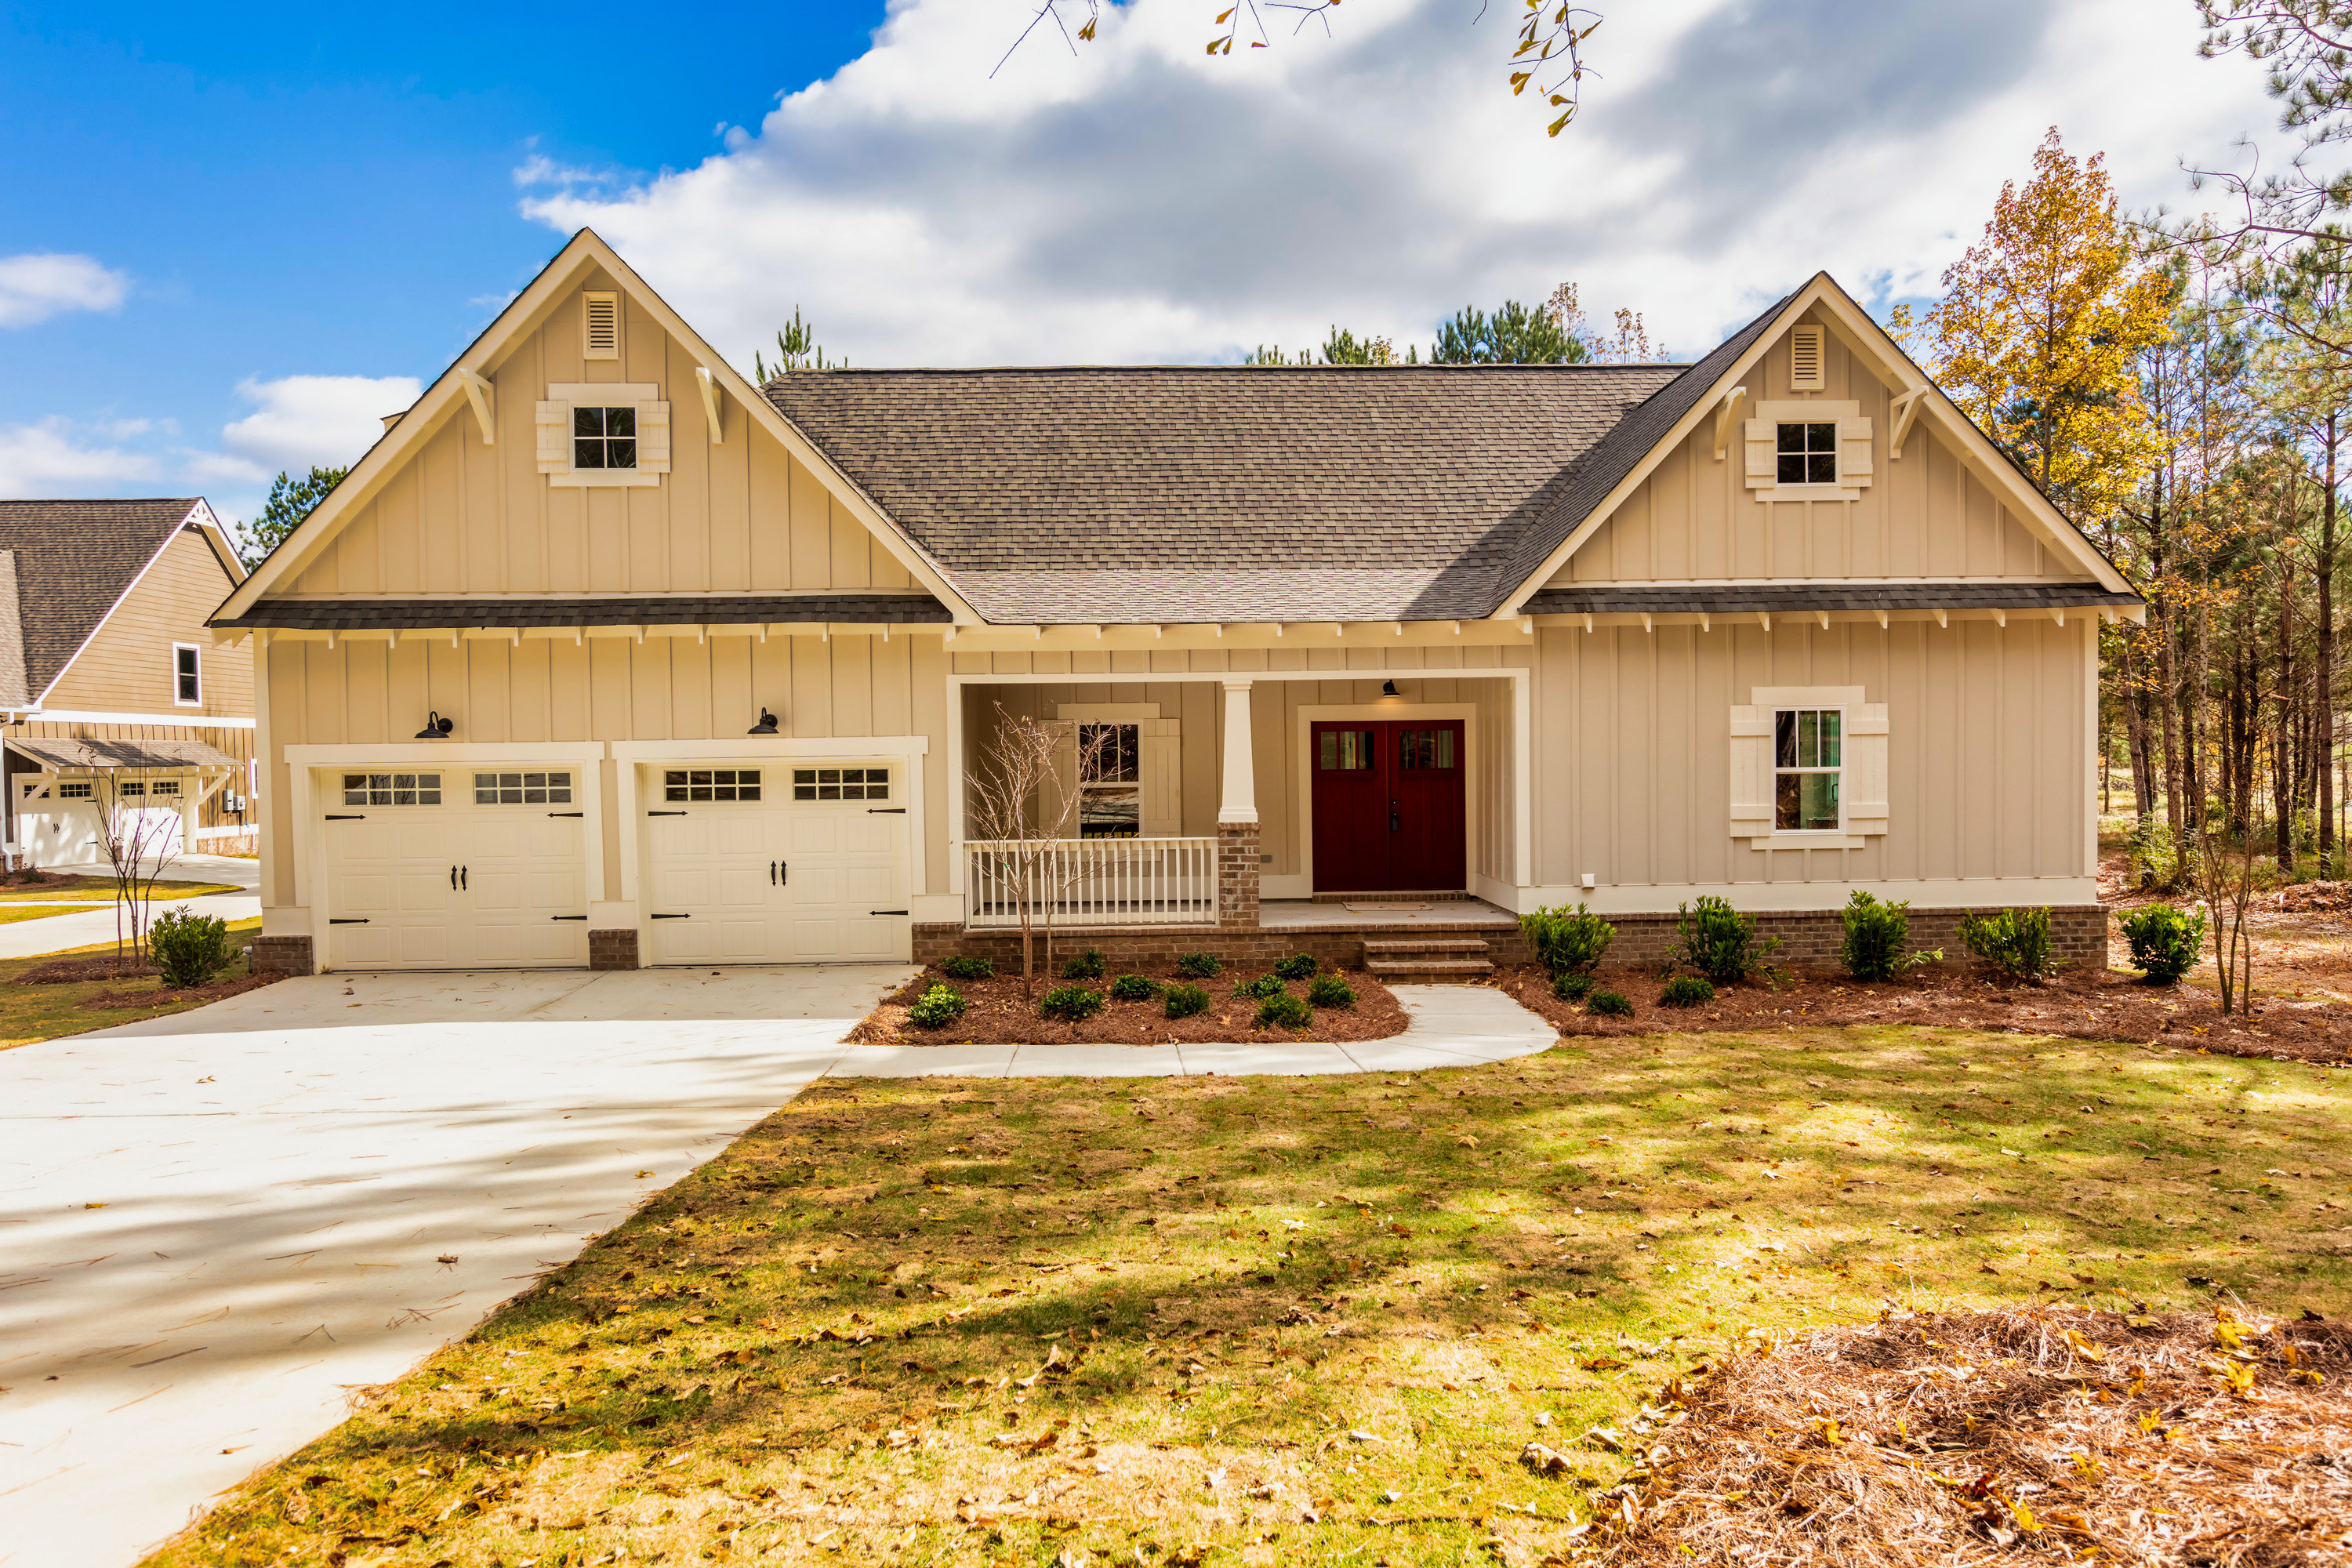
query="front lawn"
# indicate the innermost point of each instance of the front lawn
(34, 1013)
(1311, 1320)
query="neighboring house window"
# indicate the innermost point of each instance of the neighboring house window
(522, 789)
(841, 783)
(604, 438)
(1807, 763)
(75, 789)
(1807, 453)
(710, 783)
(392, 789)
(1110, 781)
(164, 786)
(129, 788)
(187, 674)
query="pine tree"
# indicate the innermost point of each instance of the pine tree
(290, 501)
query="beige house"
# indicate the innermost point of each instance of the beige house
(117, 706)
(605, 656)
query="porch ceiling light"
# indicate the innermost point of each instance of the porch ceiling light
(766, 726)
(436, 728)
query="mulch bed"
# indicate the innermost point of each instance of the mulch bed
(192, 994)
(2040, 1434)
(2078, 1004)
(997, 1014)
(74, 971)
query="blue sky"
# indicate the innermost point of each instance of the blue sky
(231, 240)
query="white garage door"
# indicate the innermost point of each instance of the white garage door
(775, 865)
(462, 868)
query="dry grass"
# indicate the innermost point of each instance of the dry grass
(2197, 1438)
(1298, 1321)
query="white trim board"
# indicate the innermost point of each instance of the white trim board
(160, 720)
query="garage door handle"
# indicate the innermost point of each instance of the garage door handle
(453, 878)
(333, 921)
(886, 811)
(886, 911)
(461, 878)
(332, 817)
(567, 917)
(673, 917)
(664, 814)
(569, 813)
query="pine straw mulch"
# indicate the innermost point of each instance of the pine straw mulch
(97, 966)
(2078, 1004)
(996, 1013)
(2047, 1433)
(161, 995)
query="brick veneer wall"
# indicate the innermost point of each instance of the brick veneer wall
(283, 956)
(1237, 875)
(1810, 939)
(612, 948)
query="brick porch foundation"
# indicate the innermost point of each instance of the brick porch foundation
(1237, 875)
(283, 956)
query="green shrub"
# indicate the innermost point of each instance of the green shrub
(937, 1008)
(1686, 991)
(1198, 965)
(2165, 942)
(2015, 941)
(1133, 988)
(1184, 1001)
(1566, 940)
(191, 950)
(1609, 1004)
(1088, 965)
(1875, 936)
(1572, 987)
(1719, 941)
(1071, 1001)
(1283, 1010)
(1299, 966)
(959, 966)
(1263, 988)
(1330, 990)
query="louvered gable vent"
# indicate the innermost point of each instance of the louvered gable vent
(1805, 356)
(601, 326)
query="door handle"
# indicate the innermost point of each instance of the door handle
(461, 878)
(772, 873)
(453, 878)
(783, 873)
(1396, 818)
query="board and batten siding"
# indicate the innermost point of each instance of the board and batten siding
(1185, 684)
(127, 667)
(1990, 739)
(738, 515)
(367, 691)
(1923, 517)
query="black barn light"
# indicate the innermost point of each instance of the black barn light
(766, 726)
(436, 728)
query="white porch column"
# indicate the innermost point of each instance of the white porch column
(1237, 801)
(1237, 851)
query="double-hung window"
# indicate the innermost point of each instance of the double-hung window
(187, 675)
(1110, 781)
(1808, 764)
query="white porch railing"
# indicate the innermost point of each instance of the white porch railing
(1093, 882)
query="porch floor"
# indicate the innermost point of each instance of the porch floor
(1291, 913)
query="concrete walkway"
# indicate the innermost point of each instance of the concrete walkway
(89, 927)
(213, 1224)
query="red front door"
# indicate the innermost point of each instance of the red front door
(1388, 803)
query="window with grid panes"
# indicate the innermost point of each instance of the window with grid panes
(710, 783)
(522, 789)
(841, 783)
(1807, 453)
(392, 789)
(605, 437)
(1807, 758)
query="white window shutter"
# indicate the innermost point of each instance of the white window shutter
(554, 422)
(1164, 779)
(1865, 769)
(1752, 772)
(653, 438)
(1763, 454)
(1060, 792)
(1854, 452)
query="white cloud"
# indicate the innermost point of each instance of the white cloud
(1147, 202)
(34, 287)
(305, 420)
(56, 456)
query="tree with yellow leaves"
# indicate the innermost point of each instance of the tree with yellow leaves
(2038, 329)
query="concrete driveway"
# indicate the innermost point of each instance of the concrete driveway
(213, 1225)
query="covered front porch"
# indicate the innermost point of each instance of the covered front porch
(1304, 800)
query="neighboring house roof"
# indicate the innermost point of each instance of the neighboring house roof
(670, 609)
(1775, 598)
(73, 561)
(104, 753)
(1222, 494)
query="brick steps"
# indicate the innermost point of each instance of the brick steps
(1457, 960)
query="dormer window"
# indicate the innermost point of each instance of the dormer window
(605, 437)
(1807, 453)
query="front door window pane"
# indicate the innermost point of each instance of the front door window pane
(1345, 751)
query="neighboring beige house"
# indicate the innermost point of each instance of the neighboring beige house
(113, 695)
(1775, 626)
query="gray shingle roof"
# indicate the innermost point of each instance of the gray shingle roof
(1222, 493)
(74, 559)
(651, 609)
(1771, 598)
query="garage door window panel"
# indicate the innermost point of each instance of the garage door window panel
(392, 789)
(841, 783)
(713, 784)
(522, 789)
